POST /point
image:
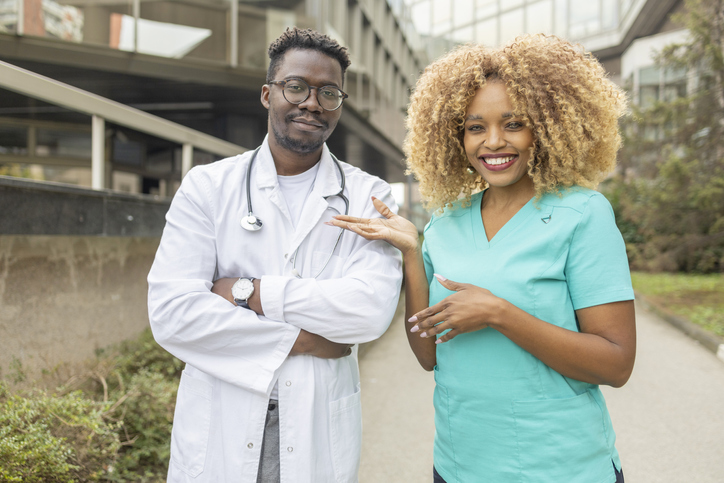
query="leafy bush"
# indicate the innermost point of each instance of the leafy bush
(50, 438)
(112, 423)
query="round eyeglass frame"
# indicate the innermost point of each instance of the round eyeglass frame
(283, 83)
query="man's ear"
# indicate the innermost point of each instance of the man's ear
(265, 96)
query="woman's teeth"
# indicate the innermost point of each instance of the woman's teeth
(498, 161)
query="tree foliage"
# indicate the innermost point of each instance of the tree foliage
(669, 197)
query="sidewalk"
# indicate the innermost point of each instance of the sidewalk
(397, 411)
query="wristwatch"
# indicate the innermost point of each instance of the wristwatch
(242, 290)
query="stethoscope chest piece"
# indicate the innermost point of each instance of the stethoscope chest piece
(251, 223)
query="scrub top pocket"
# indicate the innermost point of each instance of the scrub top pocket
(562, 440)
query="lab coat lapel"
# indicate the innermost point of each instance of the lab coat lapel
(267, 182)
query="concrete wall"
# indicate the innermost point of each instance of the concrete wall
(64, 297)
(67, 286)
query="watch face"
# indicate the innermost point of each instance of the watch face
(242, 289)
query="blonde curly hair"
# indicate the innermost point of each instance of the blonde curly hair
(561, 92)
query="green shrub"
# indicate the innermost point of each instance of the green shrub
(111, 424)
(50, 438)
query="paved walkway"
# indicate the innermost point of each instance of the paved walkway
(669, 417)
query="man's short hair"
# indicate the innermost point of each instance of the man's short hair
(306, 39)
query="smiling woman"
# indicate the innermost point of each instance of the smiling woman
(520, 296)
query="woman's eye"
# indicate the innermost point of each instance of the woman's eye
(475, 127)
(515, 125)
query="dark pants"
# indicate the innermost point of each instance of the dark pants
(436, 478)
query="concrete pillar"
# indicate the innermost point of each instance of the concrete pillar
(98, 153)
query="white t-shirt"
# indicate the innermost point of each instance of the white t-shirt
(296, 190)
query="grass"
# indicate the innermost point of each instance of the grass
(698, 298)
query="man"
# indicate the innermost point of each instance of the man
(262, 301)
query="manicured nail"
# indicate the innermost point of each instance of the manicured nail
(440, 277)
(328, 223)
(412, 319)
(423, 334)
(438, 341)
(414, 328)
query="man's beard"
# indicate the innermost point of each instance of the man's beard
(297, 145)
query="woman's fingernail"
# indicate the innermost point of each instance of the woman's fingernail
(438, 341)
(328, 223)
(423, 334)
(414, 328)
(374, 198)
(440, 277)
(412, 319)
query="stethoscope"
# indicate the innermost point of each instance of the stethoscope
(253, 223)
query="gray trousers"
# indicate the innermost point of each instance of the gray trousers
(269, 460)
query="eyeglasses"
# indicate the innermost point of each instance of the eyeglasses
(296, 91)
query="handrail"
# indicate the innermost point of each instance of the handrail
(40, 87)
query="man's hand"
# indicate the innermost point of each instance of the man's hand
(223, 286)
(317, 346)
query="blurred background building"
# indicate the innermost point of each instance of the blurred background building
(121, 97)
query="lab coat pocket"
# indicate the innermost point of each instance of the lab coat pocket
(191, 425)
(562, 440)
(346, 436)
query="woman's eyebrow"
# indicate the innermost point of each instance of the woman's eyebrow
(478, 117)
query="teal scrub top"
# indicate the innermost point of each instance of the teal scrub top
(501, 415)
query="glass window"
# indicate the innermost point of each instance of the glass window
(561, 18)
(609, 17)
(462, 11)
(486, 33)
(463, 35)
(649, 76)
(421, 17)
(486, 9)
(648, 95)
(8, 16)
(511, 25)
(585, 18)
(509, 4)
(625, 6)
(13, 140)
(441, 11)
(63, 144)
(539, 17)
(674, 75)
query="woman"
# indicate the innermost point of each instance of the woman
(520, 297)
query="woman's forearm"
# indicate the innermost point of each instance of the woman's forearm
(417, 299)
(602, 353)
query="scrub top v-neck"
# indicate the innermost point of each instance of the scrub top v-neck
(500, 413)
(478, 227)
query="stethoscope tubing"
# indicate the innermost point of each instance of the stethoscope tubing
(252, 223)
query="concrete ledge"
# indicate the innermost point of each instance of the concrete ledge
(711, 341)
(44, 208)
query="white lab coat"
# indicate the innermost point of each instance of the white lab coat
(234, 357)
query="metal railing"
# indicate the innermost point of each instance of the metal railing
(101, 109)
